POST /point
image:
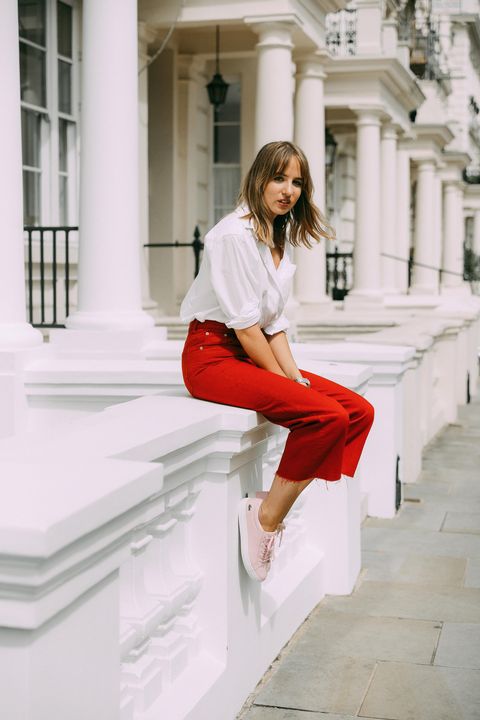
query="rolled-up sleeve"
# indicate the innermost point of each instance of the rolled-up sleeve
(280, 324)
(236, 277)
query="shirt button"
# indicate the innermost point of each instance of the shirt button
(207, 333)
(201, 347)
(225, 334)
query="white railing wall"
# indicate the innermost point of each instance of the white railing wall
(122, 583)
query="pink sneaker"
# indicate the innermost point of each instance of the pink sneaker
(256, 543)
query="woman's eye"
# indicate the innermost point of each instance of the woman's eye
(298, 183)
(278, 178)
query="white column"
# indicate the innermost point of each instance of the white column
(310, 136)
(453, 235)
(274, 97)
(476, 232)
(109, 256)
(144, 232)
(389, 207)
(402, 219)
(436, 258)
(15, 332)
(425, 280)
(366, 255)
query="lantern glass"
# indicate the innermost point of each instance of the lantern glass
(217, 90)
(330, 149)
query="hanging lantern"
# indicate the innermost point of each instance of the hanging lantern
(330, 149)
(217, 87)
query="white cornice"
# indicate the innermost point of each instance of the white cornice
(373, 81)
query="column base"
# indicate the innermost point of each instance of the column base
(461, 290)
(16, 336)
(411, 301)
(363, 298)
(423, 290)
(101, 321)
(117, 342)
(315, 310)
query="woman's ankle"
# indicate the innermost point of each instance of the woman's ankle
(268, 522)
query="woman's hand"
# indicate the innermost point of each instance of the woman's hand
(281, 349)
(257, 347)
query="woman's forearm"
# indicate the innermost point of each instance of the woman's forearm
(281, 349)
(258, 349)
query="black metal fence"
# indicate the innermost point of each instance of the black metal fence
(196, 245)
(339, 274)
(50, 282)
(471, 267)
(49, 261)
(48, 274)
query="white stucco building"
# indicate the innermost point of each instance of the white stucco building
(120, 584)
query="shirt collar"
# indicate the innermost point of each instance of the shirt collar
(241, 211)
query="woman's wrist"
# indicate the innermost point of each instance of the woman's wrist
(302, 380)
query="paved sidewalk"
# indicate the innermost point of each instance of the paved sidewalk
(406, 644)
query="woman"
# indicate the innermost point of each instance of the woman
(237, 352)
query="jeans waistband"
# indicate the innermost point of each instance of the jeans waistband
(210, 326)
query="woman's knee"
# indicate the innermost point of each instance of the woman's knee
(366, 411)
(340, 420)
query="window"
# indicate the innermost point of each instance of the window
(226, 153)
(47, 77)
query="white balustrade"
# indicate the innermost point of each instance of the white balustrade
(119, 556)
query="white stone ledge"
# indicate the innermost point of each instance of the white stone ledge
(135, 508)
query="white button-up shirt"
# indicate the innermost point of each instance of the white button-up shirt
(238, 283)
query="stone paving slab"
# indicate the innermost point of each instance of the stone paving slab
(445, 502)
(269, 713)
(462, 522)
(357, 636)
(401, 691)
(380, 566)
(429, 543)
(459, 646)
(465, 487)
(410, 601)
(428, 570)
(406, 644)
(334, 685)
(472, 574)
(412, 515)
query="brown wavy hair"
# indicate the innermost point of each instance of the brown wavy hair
(304, 222)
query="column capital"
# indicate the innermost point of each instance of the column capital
(425, 164)
(272, 33)
(311, 64)
(191, 67)
(390, 131)
(369, 116)
(146, 34)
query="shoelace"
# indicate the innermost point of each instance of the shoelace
(268, 544)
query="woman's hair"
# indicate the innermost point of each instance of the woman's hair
(305, 221)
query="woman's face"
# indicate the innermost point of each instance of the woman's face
(282, 191)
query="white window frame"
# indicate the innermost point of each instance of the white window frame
(49, 133)
(230, 79)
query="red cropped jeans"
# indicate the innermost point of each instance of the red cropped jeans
(328, 423)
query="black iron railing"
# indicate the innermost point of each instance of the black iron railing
(471, 266)
(427, 59)
(339, 274)
(48, 273)
(196, 245)
(341, 32)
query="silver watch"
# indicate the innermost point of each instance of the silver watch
(303, 381)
